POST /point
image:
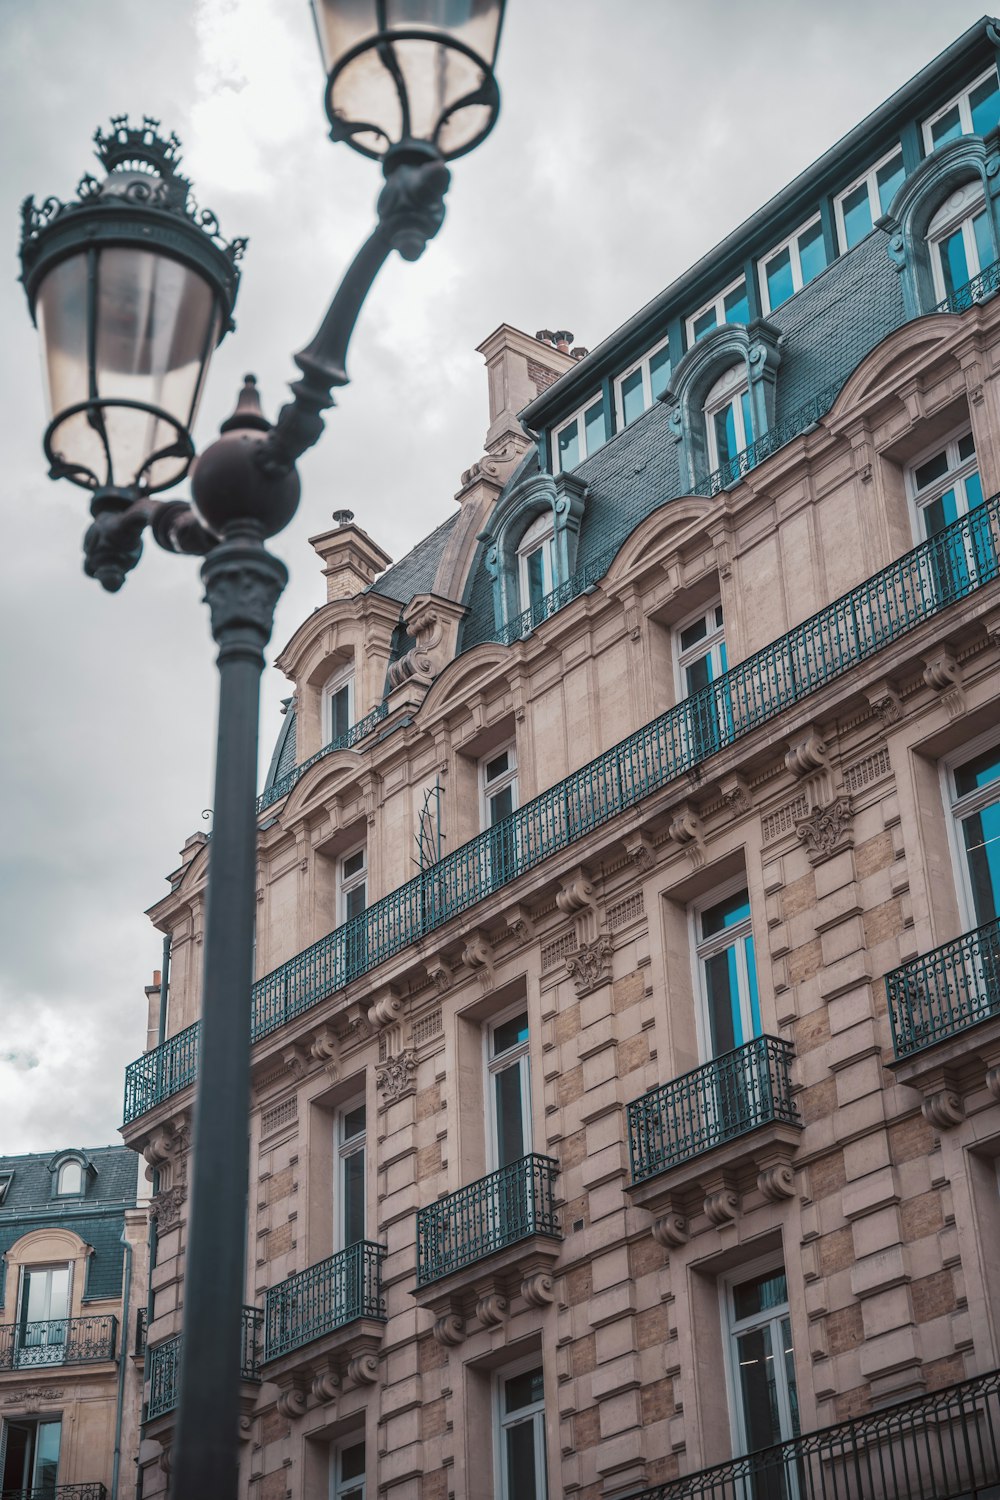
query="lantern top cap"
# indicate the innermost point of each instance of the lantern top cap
(138, 147)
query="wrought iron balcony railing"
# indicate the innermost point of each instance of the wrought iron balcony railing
(499, 1210)
(715, 1103)
(529, 619)
(797, 422)
(91, 1490)
(979, 289)
(141, 1323)
(950, 566)
(938, 1447)
(323, 1298)
(60, 1341)
(357, 732)
(943, 993)
(163, 1365)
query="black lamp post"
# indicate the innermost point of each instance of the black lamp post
(132, 287)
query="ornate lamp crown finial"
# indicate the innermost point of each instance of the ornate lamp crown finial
(137, 147)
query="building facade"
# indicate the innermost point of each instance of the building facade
(73, 1271)
(626, 1041)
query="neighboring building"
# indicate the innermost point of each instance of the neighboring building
(626, 1064)
(73, 1268)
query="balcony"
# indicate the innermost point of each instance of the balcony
(692, 1135)
(163, 1367)
(357, 732)
(326, 1297)
(938, 1447)
(803, 419)
(61, 1341)
(90, 1490)
(543, 609)
(980, 289)
(502, 1209)
(944, 1011)
(917, 587)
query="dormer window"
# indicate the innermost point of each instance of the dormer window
(728, 417)
(960, 239)
(580, 436)
(974, 112)
(867, 198)
(642, 384)
(788, 268)
(535, 562)
(338, 706)
(6, 1178)
(730, 306)
(69, 1179)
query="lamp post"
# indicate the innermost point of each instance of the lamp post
(132, 287)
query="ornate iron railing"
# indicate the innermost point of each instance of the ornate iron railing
(942, 993)
(91, 1490)
(978, 289)
(141, 1324)
(323, 1298)
(163, 1364)
(710, 1105)
(498, 1210)
(578, 583)
(60, 1341)
(796, 423)
(916, 587)
(357, 732)
(938, 1447)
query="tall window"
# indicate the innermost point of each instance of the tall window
(498, 785)
(960, 240)
(642, 384)
(69, 1181)
(788, 268)
(727, 974)
(509, 1107)
(535, 562)
(868, 198)
(520, 1428)
(762, 1362)
(974, 112)
(701, 650)
(943, 487)
(353, 883)
(580, 436)
(29, 1456)
(347, 1472)
(349, 1189)
(43, 1309)
(728, 416)
(974, 793)
(731, 306)
(338, 705)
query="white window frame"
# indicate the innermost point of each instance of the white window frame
(714, 637)
(870, 177)
(581, 433)
(341, 1487)
(6, 1178)
(760, 1267)
(647, 383)
(344, 1148)
(957, 212)
(58, 1346)
(704, 948)
(954, 477)
(500, 1425)
(964, 110)
(957, 808)
(340, 679)
(719, 303)
(517, 1056)
(64, 1166)
(348, 883)
(540, 536)
(726, 393)
(791, 244)
(507, 778)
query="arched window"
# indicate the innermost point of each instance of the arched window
(535, 561)
(70, 1179)
(338, 705)
(721, 401)
(729, 416)
(960, 239)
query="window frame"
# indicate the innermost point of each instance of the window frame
(6, 1178)
(539, 536)
(531, 1361)
(773, 1261)
(343, 677)
(643, 364)
(518, 1056)
(869, 177)
(961, 218)
(714, 637)
(792, 245)
(77, 1192)
(344, 1148)
(717, 302)
(506, 778)
(964, 110)
(733, 397)
(958, 808)
(954, 477)
(706, 948)
(579, 416)
(342, 1487)
(347, 884)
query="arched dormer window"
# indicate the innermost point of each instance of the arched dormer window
(721, 401)
(69, 1175)
(338, 704)
(535, 562)
(943, 227)
(531, 543)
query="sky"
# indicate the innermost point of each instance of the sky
(631, 139)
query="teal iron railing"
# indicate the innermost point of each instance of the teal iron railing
(357, 732)
(499, 1210)
(163, 1364)
(978, 289)
(710, 1105)
(944, 992)
(323, 1298)
(797, 422)
(89, 1490)
(578, 583)
(941, 1446)
(60, 1341)
(919, 585)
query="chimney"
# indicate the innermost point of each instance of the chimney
(351, 560)
(518, 368)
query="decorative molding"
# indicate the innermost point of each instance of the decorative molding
(826, 830)
(576, 894)
(519, 924)
(885, 704)
(168, 1143)
(166, 1207)
(32, 1394)
(776, 1182)
(296, 1060)
(477, 955)
(386, 1010)
(943, 1109)
(640, 850)
(449, 1329)
(736, 794)
(943, 673)
(293, 1401)
(326, 1386)
(671, 1230)
(721, 1206)
(807, 754)
(325, 1048)
(440, 974)
(491, 1309)
(537, 1288)
(686, 830)
(362, 1368)
(590, 965)
(396, 1077)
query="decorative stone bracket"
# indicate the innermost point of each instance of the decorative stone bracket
(827, 830)
(687, 831)
(807, 754)
(397, 1076)
(943, 673)
(433, 622)
(590, 965)
(477, 955)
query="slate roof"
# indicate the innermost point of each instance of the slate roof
(98, 1216)
(414, 574)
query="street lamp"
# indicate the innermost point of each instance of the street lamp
(132, 287)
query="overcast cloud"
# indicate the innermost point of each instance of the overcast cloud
(632, 138)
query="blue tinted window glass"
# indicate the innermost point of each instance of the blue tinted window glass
(725, 433)
(595, 426)
(981, 835)
(510, 1034)
(752, 981)
(973, 490)
(812, 252)
(704, 324)
(779, 278)
(966, 446)
(984, 769)
(857, 215)
(569, 446)
(948, 128)
(727, 913)
(954, 264)
(633, 400)
(535, 569)
(694, 633)
(737, 308)
(659, 371)
(984, 102)
(940, 513)
(984, 240)
(889, 179)
(926, 473)
(747, 416)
